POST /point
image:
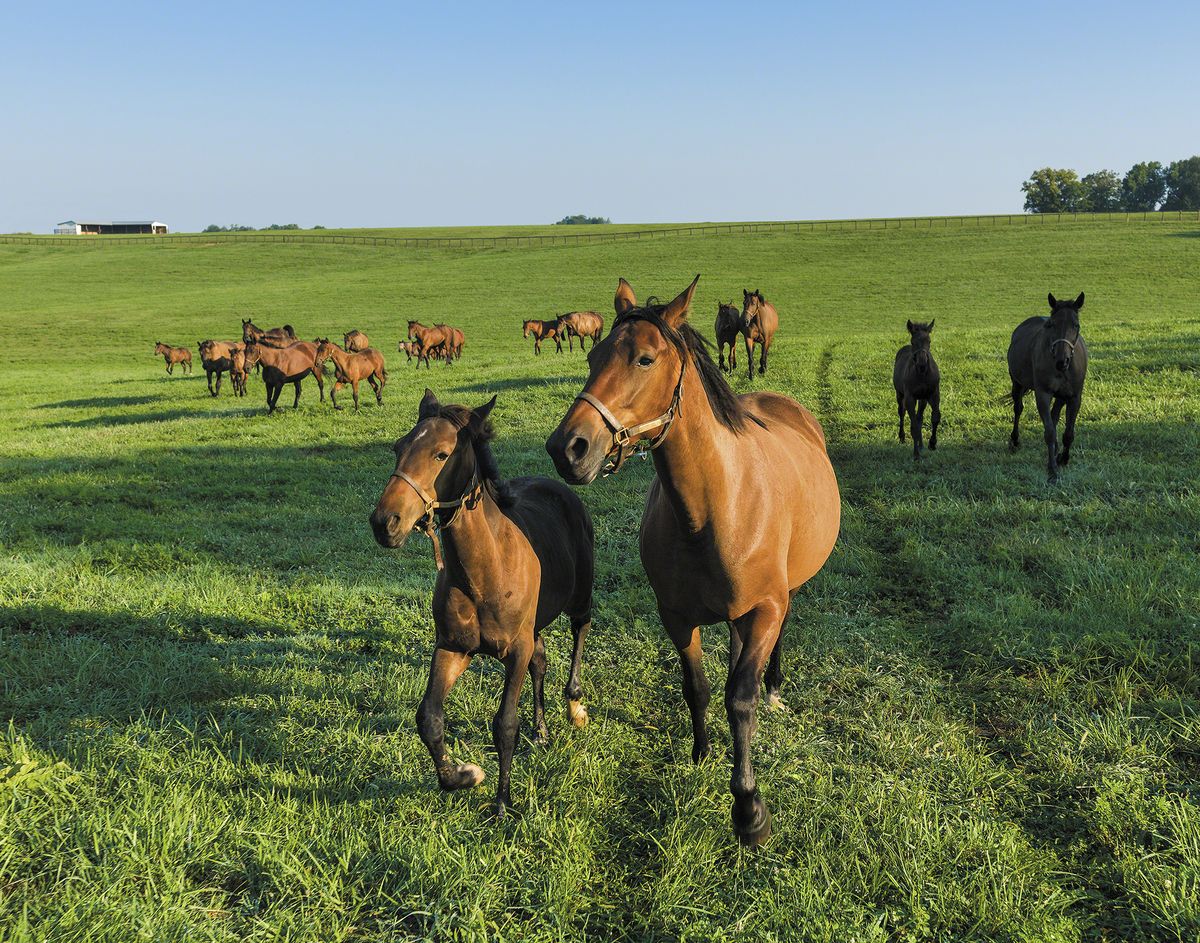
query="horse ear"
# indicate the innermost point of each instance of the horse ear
(931, 324)
(677, 311)
(625, 299)
(908, 325)
(1053, 302)
(429, 405)
(480, 414)
(1079, 301)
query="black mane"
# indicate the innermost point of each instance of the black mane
(480, 437)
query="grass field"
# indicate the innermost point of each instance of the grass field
(210, 671)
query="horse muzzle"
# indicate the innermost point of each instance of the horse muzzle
(388, 529)
(578, 449)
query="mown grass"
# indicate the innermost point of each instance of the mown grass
(210, 670)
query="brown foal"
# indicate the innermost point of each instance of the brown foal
(354, 341)
(352, 368)
(174, 355)
(541, 330)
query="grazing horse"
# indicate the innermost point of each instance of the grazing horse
(275, 337)
(918, 381)
(352, 368)
(238, 372)
(173, 355)
(744, 508)
(759, 323)
(517, 555)
(431, 341)
(354, 341)
(282, 365)
(1049, 356)
(216, 357)
(727, 328)
(582, 324)
(541, 330)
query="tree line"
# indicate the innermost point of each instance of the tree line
(1146, 187)
(238, 227)
(579, 219)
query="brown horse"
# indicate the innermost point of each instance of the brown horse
(918, 383)
(173, 355)
(582, 324)
(543, 330)
(275, 337)
(354, 341)
(282, 365)
(352, 368)
(727, 328)
(409, 349)
(708, 556)
(517, 555)
(759, 323)
(431, 341)
(455, 339)
(238, 373)
(1049, 356)
(216, 357)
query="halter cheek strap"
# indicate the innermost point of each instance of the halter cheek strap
(428, 523)
(626, 437)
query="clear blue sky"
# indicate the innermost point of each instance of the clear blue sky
(387, 114)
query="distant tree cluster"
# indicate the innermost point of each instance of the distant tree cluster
(1145, 187)
(236, 227)
(580, 219)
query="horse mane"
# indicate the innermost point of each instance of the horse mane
(485, 459)
(690, 343)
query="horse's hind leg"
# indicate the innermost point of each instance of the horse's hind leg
(296, 401)
(774, 676)
(1018, 398)
(1069, 428)
(695, 683)
(573, 691)
(507, 721)
(431, 720)
(762, 357)
(537, 673)
(354, 392)
(377, 386)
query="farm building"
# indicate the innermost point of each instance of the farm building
(118, 227)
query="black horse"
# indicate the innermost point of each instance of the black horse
(1048, 356)
(918, 382)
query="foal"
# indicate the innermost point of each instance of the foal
(352, 368)
(918, 382)
(541, 330)
(238, 372)
(216, 357)
(582, 324)
(517, 554)
(1048, 356)
(174, 355)
(354, 341)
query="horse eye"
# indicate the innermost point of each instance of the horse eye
(644, 361)
(441, 456)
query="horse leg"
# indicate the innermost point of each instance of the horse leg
(695, 684)
(377, 386)
(296, 401)
(558, 343)
(918, 441)
(537, 347)
(220, 375)
(774, 675)
(272, 396)
(320, 383)
(1069, 428)
(762, 357)
(354, 390)
(733, 355)
(537, 673)
(507, 721)
(1018, 398)
(750, 357)
(759, 630)
(914, 423)
(337, 385)
(1051, 432)
(431, 720)
(721, 355)
(169, 370)
(209, 374)
(573, 691)
(900, 411)
(935, 419)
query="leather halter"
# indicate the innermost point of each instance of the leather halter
(429, 523)
(627, 437)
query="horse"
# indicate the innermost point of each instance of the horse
(708, 556)
(582, 324)
(282, 365)
(173, 355)
(275, 337)
(518, 554)
(727, 327)
(1048, 355)
(408, 348)
(455, 339)
(759, 323)
(238, 372)
(918, 381)
(352, 368)
(354, 341)
(541, 330)
(216, 357)
(429, 340)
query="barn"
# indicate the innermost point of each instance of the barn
(117, 227)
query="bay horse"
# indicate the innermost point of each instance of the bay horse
(354, 341)
(352, 368)
(1048, 355)
(430, 341)
(708, 558)
(918, 383)
(542, 330)
(727, 327)
(455, 339)
(216, 357)
(759, 323)
(582, 324)
(282, 365)
(238, 372)
(173, 355)
(409, 348)
(275, 337)
(518, 554)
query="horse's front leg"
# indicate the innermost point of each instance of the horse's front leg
(1069, 428)
(900, 411)
(686, 639)
(758, 631)
(773, 680)
(1049, 417)
(721, 355)
(1018, 398)
(762, 357)
(914, 423)
(918, 440)
(935, 419)
(431, 720)
(507, 721)
(573, 691)
(296, 401)
(337, 385)
(537, 674)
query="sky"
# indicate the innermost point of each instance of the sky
(356, 114)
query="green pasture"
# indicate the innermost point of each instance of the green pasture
(209, 671)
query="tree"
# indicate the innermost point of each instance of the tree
(1143, 188)
(1183, 185)
(1101, 192)
(1053, 191)
(579, 219)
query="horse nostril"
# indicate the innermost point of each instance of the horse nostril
(578, 448)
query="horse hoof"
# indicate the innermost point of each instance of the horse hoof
(753, 833)
(1013, 446)
(1064, 459)
(578, 713)
(701, 752)
(466, 776)
(932, 446)
(775, 702)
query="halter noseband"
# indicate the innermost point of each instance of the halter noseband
(429, 523)
(1070, 346)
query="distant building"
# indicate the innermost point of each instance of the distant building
(119, 227)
